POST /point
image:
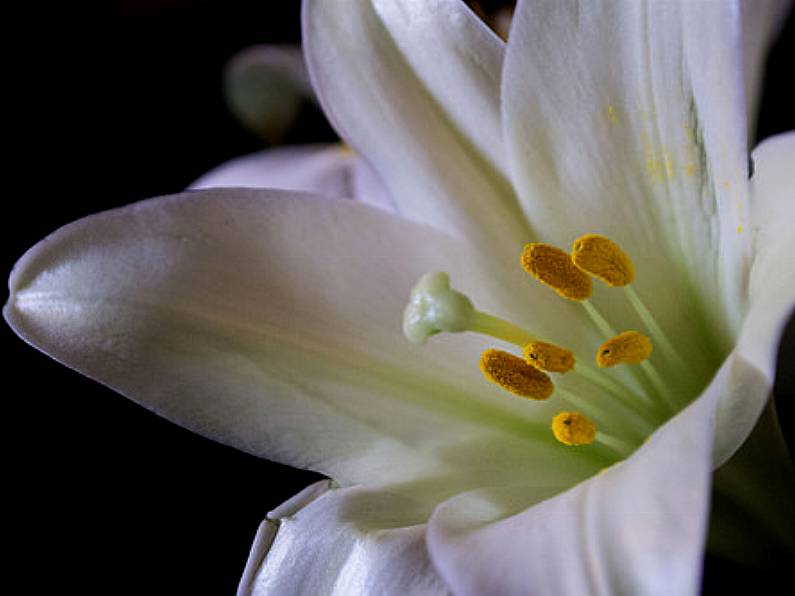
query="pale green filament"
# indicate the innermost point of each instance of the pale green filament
(656, 332)
(655, 384)
(658, 383)
(598, 320)
(635, 420)
(623, 448)
(618, 391)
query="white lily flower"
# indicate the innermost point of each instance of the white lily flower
(270, 320)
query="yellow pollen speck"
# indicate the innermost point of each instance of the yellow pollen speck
(669, 167)
(629, 347)
(603, 258)
(612, 114)
(548, 357)
(553, 267)
(740, 229)
(573, 428)
(515, 375)
(690, 170)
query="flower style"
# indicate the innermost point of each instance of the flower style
(270, 320)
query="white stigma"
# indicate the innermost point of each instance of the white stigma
(435, 307)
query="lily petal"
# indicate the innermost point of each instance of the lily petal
(341, 541)
(271, 321)
(331, 170)
(425, 111)
(636, 528)
(638, 134)
(772, 281)
(772, 286)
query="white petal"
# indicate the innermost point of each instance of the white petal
(772, 288)
(414, 86)
(636, 528)
(627, 119)
(272, 322)
(340, 542)
(331, 170)
(772, 281)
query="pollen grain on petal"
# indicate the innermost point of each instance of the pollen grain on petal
(601, 257)
(554, 268)
(629, 347)
(573, 428)
(549, 357)
(515, 375)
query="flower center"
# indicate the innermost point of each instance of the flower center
(435, 307)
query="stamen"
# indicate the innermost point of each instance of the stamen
(573, 428)
(515, 375)
(601, 257)
(629, 347)
(554, 268)
(549, 357)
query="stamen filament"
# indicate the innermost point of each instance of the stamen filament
(620, 446)
(635, 420)
(501, 329)
(598, 320)
(658, 335)
(618, 391)
(658, 383)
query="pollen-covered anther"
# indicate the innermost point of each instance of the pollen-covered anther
(553, 267)
(629, 347)
(548, 357)
(515, 375)
(573, 428)
(604, 259)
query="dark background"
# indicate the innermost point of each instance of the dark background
(108, 107)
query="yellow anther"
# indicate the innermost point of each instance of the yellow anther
(514, 374)
(629, 347)
(573, 428)
(548, 357)
(603, 258)
(553, 267)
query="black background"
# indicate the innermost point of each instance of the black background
(108, 107)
